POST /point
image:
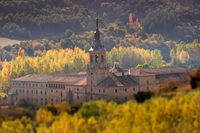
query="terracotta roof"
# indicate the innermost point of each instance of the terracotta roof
(72, 79)
(158, 71)
(113, 80)
(179, 76)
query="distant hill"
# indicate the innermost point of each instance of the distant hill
(27, 19)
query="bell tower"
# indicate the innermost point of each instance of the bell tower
(97, 67)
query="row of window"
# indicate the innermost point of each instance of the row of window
(43, 101)
(39, 85)
(37, 92)
(61, 86)
(45, 92)
(116, 90)
(105, 97)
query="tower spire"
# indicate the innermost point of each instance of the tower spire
(97, 22)
(97, 33)
(96, 45)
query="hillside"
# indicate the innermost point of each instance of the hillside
(25, 19)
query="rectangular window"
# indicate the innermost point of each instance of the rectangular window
(115, 90)
(51, 101)
(115, 98)
(125, 89)
(45, 100)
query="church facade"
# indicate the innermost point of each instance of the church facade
(100, 81)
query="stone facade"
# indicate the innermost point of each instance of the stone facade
(100, 81)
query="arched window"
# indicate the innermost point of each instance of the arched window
(96, 58)
(102, 58)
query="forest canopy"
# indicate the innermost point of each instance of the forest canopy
(177, 114)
